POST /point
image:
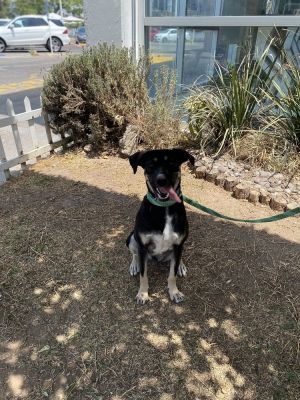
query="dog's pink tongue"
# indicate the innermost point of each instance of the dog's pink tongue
(173, 195)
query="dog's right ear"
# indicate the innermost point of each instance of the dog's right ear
(137, 159)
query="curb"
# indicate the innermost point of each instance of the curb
(243, 189)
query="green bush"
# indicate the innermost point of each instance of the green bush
(92, 95)
(232, 104)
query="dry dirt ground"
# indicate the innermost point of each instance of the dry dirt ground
(69, 325)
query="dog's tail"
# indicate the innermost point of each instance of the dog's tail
(128, 239)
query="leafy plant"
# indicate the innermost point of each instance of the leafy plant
(232, 104)
(287, 100)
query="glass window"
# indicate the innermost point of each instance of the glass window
(226, 45)
(162, 8)
(242, 7)
(37, 22)
(162, 46)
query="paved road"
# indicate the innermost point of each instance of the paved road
(21, 75)
(21, 70)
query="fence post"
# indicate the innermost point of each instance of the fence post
(48, 130)
(31, 124)
(4, 173)
(15, 130)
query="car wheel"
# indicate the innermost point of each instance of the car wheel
(164, 40)
(56, 44)
(2, 46)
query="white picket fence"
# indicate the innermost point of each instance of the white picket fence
(29, 117)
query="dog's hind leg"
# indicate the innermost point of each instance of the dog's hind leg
(182, 270)
(134, 268)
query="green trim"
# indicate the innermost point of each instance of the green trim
(159, 203)
(207, 210)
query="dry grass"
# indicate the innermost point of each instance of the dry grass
(70, 329)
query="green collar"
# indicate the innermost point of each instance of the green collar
(159, 203)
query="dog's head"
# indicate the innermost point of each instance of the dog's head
(162, 170)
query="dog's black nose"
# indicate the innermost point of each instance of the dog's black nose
(161, 180)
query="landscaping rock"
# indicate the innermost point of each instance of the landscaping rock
(241, 191)
(291, 206)
(230, 183)
(128, 144)
(264, 197)
(256, 185)
(278, 203)
(220, 180)
(200, 172)
(211, 175)
(254, 196)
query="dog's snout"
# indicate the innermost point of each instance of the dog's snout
(161, 180)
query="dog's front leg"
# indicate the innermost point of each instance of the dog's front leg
(174, 293)
(142, 295)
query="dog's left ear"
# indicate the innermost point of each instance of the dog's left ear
(182, 156)
(137, 160)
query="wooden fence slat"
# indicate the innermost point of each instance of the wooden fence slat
(14, 119)
(48, 129)
(33, 154)
(15, 130)
(4, 172)
(31, 125)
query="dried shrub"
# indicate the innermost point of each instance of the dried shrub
(159, 123)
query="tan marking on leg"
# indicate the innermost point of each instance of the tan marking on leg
(174, 293)
(142, 295)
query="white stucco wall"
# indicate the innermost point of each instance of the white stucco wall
(109, 21)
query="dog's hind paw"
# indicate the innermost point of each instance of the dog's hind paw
(142, 297)
(134, 268)
(182, 270)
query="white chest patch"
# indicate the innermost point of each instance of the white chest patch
(162, 243)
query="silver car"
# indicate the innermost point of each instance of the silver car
(33, 31)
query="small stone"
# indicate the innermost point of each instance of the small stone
(200, 172)
(254, 196)
(211, 175)
(287, 191)
(278, 176)
(88, 148)
(198, 164)
(230, 183)
(278, 203)
(220, 180)
(291, 206)
(264, 197)
(241, 191)
(276, 183)
(222, 169)
(265, 174)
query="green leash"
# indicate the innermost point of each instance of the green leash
(207, 210)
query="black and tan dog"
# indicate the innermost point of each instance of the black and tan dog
(161, 226)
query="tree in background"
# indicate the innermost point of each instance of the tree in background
(11, 8)
(4, 8)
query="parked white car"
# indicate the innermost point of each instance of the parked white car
(169, 35)
(33, 31)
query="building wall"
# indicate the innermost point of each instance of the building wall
(109, 21)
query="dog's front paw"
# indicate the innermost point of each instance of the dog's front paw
(176, 296)
(142, 297)
(134, 268)
(182, 270)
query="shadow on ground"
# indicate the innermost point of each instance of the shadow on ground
(70, 328)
